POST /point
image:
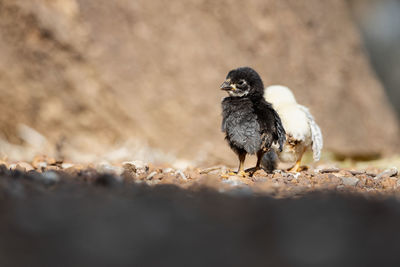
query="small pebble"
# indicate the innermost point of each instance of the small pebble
(53, 168)
(296, 175)
(41, 165)
(136, 166)
(387, 173)
(355, 172)
(50, 177)
(107, 168)
(12, 166)
(151, 175)
(285, 174)
(351, 181)
(213, 170)
(181, 174)
(26, 166)
(167, 170)
(329, 170)
(66, 165)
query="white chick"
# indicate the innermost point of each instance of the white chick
(302, 132)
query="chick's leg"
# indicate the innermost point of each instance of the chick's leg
(296, 167)
(241, 172)
(251, 171)
(242, 157)
(260, 154)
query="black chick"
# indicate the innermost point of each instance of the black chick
(250, 123)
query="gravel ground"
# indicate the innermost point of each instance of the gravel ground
(280, 184)
(54, 213)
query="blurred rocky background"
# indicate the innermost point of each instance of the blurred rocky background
(113, 80)
(379, 22)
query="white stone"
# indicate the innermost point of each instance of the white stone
(351, 181)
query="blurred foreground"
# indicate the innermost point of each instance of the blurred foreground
(119, 80)
(94, 219)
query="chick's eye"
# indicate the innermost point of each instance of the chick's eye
(241, 82)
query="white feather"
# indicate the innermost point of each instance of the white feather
(316, 134)
(298, 123)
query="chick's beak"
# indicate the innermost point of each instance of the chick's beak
(226, 86)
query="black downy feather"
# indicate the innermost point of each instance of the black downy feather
(249, 122)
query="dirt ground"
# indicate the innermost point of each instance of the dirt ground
(368, 182)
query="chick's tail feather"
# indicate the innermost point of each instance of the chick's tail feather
(280, 131)
(269, 161)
